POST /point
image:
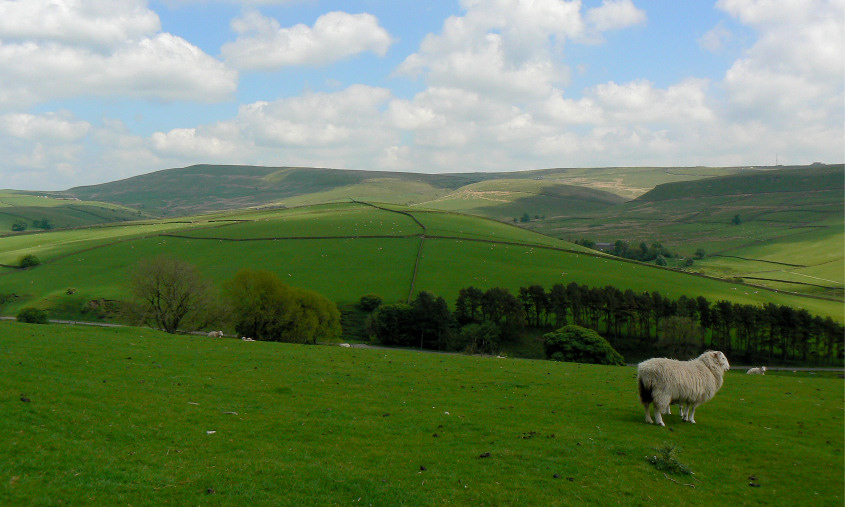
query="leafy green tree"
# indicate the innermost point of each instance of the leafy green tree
(32, 316)
(431, 320)
(468, 305)
(700, 253)
(19, 225)
(681, 337)
(736, 220)
(172, 294)
(525, 218)
(660, 261)
(392, 324)
(580, 345)
(265, 308)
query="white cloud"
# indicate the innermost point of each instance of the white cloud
(794, 73)
(99, 23)
(187, 143)
(615, 14)
(263, 44)
(52, 127)
(500, 47)
(639, 102)
(58, 49)
(163, 67)
(317, 120)
(716, 39)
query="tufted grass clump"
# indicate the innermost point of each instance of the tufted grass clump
(666, 460)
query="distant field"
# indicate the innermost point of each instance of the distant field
(343, 251)
(133, 416)
(790, 216)
(18, 206)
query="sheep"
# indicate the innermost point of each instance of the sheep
(758, 371)
(662, 381)
(345, 345)
(215, 334)
(246, 339)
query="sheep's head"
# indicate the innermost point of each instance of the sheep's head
(720, 359)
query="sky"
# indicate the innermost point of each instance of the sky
(93, 91)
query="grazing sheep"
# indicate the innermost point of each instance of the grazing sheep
(690, 383)
(215, 334)
(758, 371)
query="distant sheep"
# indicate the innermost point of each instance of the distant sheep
(757, 371)
(244, 338)
(345, 345)
(215, 334)
(690, 383)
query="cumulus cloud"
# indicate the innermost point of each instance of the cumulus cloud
(55, 127)
(77, 22)
(263, 44)
(188, 143)
(615, 14)
(317, 119)
(793, 74)
(500, 47)
(69, 48)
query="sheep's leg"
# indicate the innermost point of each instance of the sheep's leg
(647, 414)
(691, 413)
(658, 419)
(660, 406)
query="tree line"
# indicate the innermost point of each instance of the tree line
(484, 319)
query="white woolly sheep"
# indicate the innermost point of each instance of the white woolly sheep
(758, 371)
(244, 338)
(345, 345)
(215, 334)
(690, 383)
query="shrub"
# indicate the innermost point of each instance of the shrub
(28, 261)
(19, 225)
(580, 345)
(32, 316)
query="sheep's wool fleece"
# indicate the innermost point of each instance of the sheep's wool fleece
(696, 380)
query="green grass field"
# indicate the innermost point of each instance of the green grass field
(134, 416)
(16, 206)
(342, 251)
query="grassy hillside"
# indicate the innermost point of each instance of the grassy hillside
(791, 216)
(343, 251)
(200, 188)
(28, 207)
(213, 187)
(133, 416)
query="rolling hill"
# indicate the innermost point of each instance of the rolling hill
(343, 251)
(789, 235)
(201, 188)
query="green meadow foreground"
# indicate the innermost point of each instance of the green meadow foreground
(134, 416)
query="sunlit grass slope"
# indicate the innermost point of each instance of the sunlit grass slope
(133, 416)
(343, 251)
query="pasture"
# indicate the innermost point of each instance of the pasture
(343, 251)
(133, 416)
